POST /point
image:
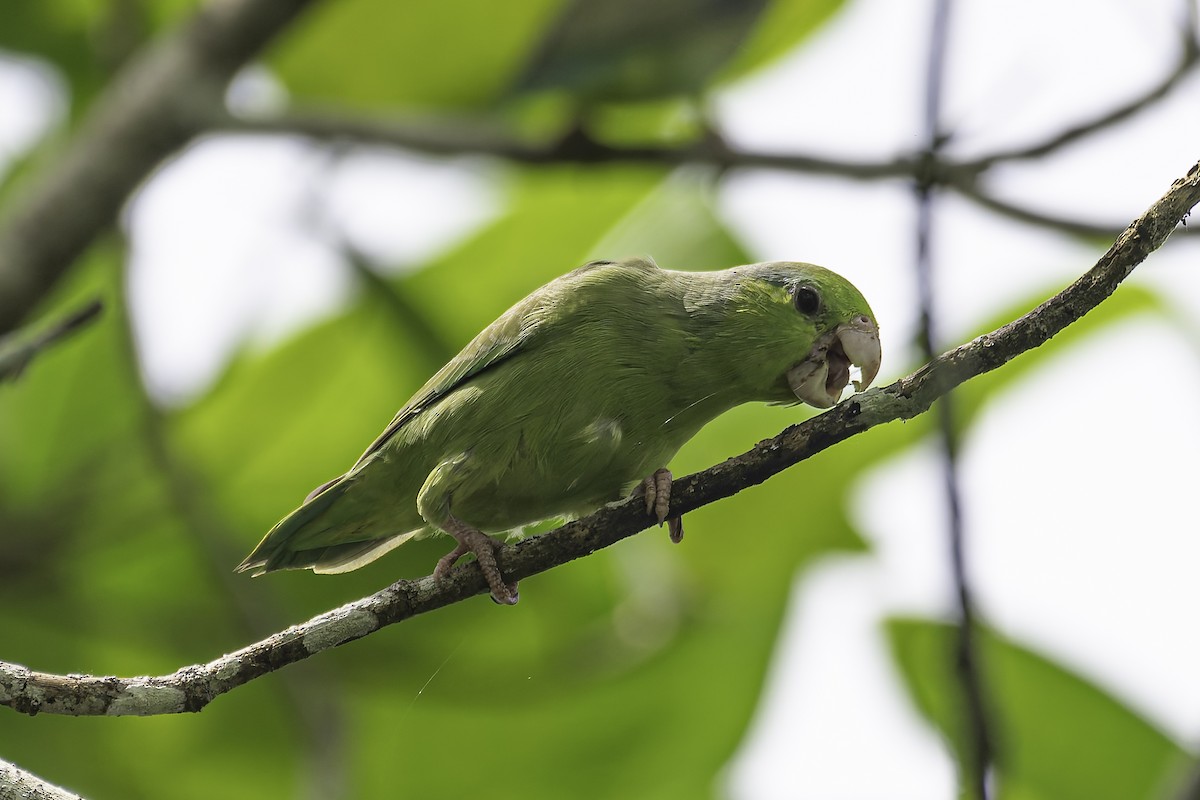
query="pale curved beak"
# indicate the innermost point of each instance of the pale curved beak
(820, 379)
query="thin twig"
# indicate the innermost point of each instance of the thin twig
(15, 357)
(452, 137)
(429, 346)
(192, 688)
(976, 754)
(972, 191)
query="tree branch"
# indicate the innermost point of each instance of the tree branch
(17, 783)
(444, 137)
(15, 356)
(192, 688)
(971, 190)
(976, 749)
(152, 107)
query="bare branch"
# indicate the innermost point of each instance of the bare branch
(192, 688)
(150, 109)
(1189, 58)
(16, 783)
(471, 137)
(973, 192)
(15, 356)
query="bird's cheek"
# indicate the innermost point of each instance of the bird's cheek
(807, 381)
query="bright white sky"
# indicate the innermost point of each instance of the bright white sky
(1083, 540)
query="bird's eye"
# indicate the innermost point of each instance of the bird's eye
(806, 299)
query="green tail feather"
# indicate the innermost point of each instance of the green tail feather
(278, 549)
(273, 552)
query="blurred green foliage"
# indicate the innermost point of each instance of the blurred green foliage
(1060, 735)
(632, 673)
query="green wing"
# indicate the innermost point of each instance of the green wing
(515, 331)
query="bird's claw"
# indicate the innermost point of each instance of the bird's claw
(658, 494)
(675, 529)
(484, 548)
(657, 489)
(447, 561)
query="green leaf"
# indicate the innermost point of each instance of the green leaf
(459, 54)
(86, 40)
(676, 224)
(1058, 735)
(57, 31)
(376, 53)
(557, 216)
(784, 26)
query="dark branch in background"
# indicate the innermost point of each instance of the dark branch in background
(428, 344)
(448, 137)
(194, 687)
(17, 783)
(1190, 788)
(975, 753)
(1042, 219)
(153, 106)
(15, 355)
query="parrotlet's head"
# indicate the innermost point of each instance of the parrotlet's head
(819, 327)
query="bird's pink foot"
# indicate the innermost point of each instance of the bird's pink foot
(657, 489)
(484, 548)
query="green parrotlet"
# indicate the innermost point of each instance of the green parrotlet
(579, 395)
